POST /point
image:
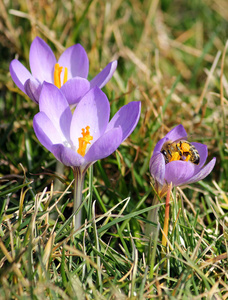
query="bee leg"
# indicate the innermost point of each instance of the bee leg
(175, 156)
(188, 157)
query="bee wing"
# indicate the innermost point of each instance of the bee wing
(184, 138)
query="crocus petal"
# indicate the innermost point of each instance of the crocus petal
(19, 74)
(45, 131)
(202, 149)
(127, 118)
(104, 76)
(157, 167)
(74, 89)
(176, 133)
(42, 60)
(206, 170)
(105, 145)
(67, 156)
(53, 103)
(93, 110)
(76, 61)
(159, 145)
(179, 172)
(33, 89)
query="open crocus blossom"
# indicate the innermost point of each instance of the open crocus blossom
(79, 139)
(178, 165)
(69, 74)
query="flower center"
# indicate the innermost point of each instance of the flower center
(84, 140)
(57, 73)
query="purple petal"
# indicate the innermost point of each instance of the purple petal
(159, 145)
(42, 60)
(19, 74)
(127, 118)
(206, 170)
(157, 167)
(202, 149)
(53, 103)
(45, 131)
(33, 89)
(176, 133)
(179, 172)
(105, 145)
(93, 110)
(67, 156)
(74, 89)
(104, 76)
(76, 61)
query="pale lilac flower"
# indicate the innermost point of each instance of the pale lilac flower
(69, 74)
(81, 138)
(178, 172)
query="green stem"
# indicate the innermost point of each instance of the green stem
(78, 186)
(90, 192)
(59, 170)
(152, 217)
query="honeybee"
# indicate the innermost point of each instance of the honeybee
(180, 150)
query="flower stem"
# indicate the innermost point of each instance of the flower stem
(166, 220)
(58, 185)
(78, 186)
(152, 217)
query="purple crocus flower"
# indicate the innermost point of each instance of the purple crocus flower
(79, 139)
(69, 74)
(178, 172)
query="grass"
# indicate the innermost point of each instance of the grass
(172, 57)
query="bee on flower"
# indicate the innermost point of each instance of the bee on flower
(175, 160)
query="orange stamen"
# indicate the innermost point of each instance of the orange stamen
(65, 75)
(57, 73)
(84, 141)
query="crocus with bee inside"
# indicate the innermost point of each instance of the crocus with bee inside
(175, 162)
(179, 170)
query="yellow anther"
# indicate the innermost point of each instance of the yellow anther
(57, 73)
(65, 75)
(84, 141)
